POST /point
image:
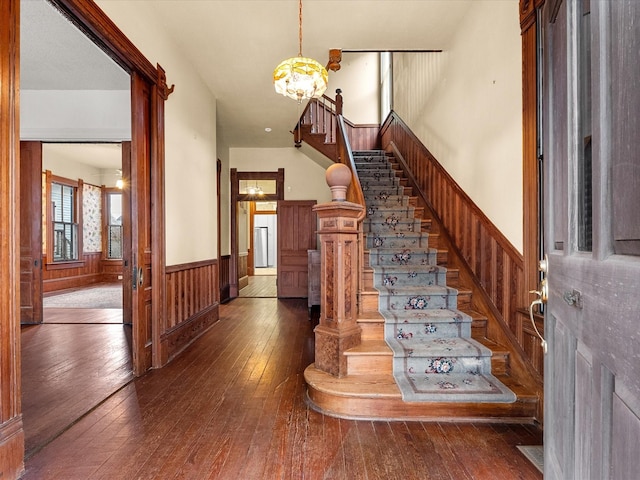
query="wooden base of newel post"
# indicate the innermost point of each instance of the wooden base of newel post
(337, 330)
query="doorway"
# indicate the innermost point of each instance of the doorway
(249, 189)
(262, 247)
(93, 292)
(79, 356)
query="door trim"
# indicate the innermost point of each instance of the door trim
(91, 20)
(235, 177)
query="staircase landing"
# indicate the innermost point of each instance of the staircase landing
(376, 396)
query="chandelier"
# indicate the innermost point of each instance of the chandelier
(300, 78)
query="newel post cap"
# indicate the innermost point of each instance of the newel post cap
(338, 178)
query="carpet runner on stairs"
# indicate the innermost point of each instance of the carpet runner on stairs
(434, 356)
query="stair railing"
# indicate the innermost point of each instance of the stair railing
(321, 114)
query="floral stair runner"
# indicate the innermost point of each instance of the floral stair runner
(434, 356)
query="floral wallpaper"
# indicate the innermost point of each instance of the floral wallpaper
(91, 218)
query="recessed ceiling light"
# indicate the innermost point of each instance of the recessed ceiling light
(268, 129)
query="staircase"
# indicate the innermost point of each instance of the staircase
(424, 353)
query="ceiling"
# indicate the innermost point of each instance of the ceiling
(235, 45)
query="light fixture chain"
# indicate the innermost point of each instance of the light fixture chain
(300, 28)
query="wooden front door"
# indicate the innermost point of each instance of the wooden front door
(30, 232)
(591, 127)
(297, 226)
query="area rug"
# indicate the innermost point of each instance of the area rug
(100, 296)
(434, 356)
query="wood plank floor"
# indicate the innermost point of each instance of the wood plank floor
(260, 286)
(68, 369)
(232, 407)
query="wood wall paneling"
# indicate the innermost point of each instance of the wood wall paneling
(224, 276)
(63, 275)
(243, 270)
(191, 304)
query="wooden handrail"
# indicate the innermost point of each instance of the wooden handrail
(345, 155)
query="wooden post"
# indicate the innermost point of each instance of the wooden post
(338, 101)
(337, 330)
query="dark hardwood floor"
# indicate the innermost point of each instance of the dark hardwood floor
(68, 369)
(232, 407)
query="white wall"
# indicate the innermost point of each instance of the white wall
(303, 178)
(359, 80)
(75, 115)
(465, 104)
(95, 163)
(225, 195)
(190, 137)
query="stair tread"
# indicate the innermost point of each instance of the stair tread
(370, 317)
(370, 347)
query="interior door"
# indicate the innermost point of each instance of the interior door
(139, 198)
(591, 127)
(30, 232)
(127, 267)
(297, 226)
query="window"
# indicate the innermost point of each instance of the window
(114, 225)
(64, 222)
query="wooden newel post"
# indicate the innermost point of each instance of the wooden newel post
(337, 330)
(338, 101)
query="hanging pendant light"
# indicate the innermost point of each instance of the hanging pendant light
(300, 78)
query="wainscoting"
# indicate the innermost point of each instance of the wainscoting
(192, 301)
(88, 271)
(243, 270)
(224, 277)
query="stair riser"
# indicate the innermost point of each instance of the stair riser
(368, 364)
(385, 408)
(500, 365)
(372, 331)
(369, 302)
